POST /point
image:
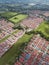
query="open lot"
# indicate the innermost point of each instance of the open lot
(8, 14)
(44, 28)
(18, 18)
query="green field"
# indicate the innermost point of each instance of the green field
(44, 28)
(8, 14)
(13, 16)
(10, 56)
(18, 18)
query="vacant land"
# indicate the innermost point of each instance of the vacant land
(18, 18)
(44, 28)
(12, 53)
(8, 14)
(14, 17)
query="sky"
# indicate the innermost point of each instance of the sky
(26, 1)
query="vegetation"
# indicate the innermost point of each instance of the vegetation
(8, 15)
(0, 30)
(43, 29)
(18, 18)
(18, 26)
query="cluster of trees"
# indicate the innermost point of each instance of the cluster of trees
(18, 26)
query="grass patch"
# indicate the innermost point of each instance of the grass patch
(44, 29)
(8, 14)
(18, 18)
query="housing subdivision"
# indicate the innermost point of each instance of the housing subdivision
(6, 28)
(35, 53)
(10, 39)
(24, 39)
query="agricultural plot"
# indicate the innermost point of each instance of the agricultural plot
(18, 18)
